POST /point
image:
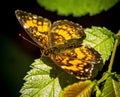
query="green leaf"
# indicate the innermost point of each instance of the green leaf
(79, 7)
(101, 39)
(45, 80)
(111, 87)
(80, 89)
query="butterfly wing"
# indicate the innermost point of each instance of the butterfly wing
(78, 61)
(65, 34)
(36, 27)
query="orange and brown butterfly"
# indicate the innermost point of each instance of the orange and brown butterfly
(62, 42)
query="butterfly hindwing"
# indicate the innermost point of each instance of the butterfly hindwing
(78, 61)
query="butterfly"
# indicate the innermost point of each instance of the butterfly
(62, 42)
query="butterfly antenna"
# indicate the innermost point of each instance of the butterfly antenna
(28, 40)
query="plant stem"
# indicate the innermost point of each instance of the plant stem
(113, 53)
(111, 60)
(113, 56)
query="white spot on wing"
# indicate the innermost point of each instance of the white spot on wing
(25, 26)
(34, 16)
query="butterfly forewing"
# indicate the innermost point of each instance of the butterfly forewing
(36, 27)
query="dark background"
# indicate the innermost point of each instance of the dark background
(16, 54)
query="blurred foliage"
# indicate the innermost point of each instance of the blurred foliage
(77, 8)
